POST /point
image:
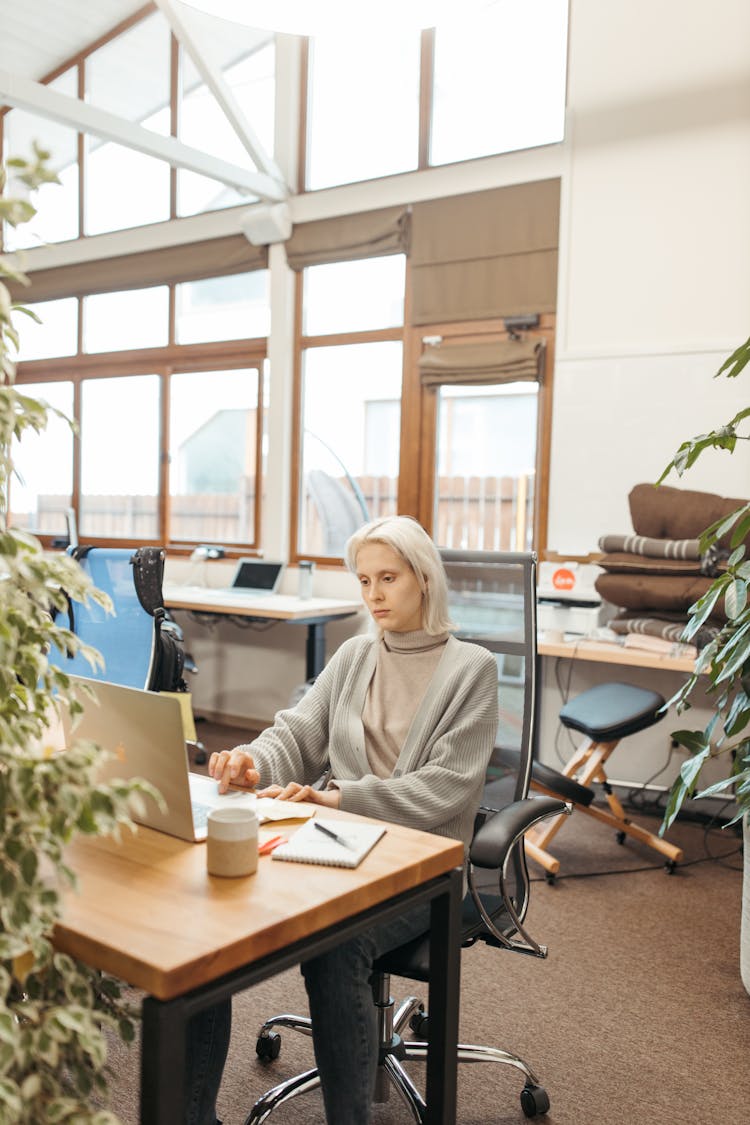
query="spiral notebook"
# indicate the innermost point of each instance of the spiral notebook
(334, 843)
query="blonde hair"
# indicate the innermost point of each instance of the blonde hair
(409, 540)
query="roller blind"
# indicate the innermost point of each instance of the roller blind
(485, 254)
(505, 361)
(369, 234)
(188, 262)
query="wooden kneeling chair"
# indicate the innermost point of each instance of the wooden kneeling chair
(604, 714)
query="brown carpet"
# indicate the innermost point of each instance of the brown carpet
(638, 1014)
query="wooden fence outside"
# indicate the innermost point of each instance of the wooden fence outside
(472, 513)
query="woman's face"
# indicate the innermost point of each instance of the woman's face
(389, 588)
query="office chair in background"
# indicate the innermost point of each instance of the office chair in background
(493, 601)
(141, 646)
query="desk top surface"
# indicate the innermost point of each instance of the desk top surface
(147, 911)
(283, 607)
(603, 653)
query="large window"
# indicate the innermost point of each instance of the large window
(351, 372)
(478, 86)
(169, 436)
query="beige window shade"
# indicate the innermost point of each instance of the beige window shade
(506, 361)
(188, 262)
(486, 254)
(370, 234)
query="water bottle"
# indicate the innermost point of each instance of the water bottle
(306, 568)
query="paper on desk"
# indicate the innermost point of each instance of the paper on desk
(272, 809)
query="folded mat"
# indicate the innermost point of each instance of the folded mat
(652, 548)
(652, 591)
(630, 624)
(622, 562)
(677, 513)
(646, 643)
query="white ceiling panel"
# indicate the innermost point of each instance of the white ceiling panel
(37, 37)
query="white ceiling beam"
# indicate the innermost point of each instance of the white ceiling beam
(35, 98)
(221, 90)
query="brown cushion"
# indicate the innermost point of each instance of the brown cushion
(624, 562)
(677, 513)
(651, 591)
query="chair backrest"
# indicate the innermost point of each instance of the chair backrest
(127, 638)
(492, 599)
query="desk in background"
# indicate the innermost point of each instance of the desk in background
(147, 912)
(315, 613)
(601, 652)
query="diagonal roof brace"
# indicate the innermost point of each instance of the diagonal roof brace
(219, 87)
(36, 98)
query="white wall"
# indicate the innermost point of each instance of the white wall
(654, 284)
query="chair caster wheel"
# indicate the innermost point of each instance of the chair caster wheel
(420, 1024)
(534, 1100)
(268, 1046)
(550, 878)
(620, 837)
(670, 866)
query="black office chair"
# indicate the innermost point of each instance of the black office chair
(493, 601)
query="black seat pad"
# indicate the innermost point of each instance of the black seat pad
(609, 712)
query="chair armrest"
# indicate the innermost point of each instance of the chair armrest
(494, 840)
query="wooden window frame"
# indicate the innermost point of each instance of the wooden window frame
(162, 362)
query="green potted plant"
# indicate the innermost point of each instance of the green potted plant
(53, 1011)
(723, 667)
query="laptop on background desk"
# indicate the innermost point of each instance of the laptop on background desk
(256, 577)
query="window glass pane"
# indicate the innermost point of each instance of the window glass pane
(247, 60)
(120, 457)
(56, 335)
(223, 308)
(212, 486)
(136, 318)
(346, 478)
(41, 489)
(364, 107)
(484, 483)
(56, 218)
(500, 80)
(125, 188)
(354, 296)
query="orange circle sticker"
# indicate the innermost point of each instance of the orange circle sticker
(563, 579)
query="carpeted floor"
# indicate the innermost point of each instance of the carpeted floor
(638, 1014)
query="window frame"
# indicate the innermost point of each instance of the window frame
(162, 362)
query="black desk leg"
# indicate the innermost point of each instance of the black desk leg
(445, 983)
(163, 1049)
(316, 649)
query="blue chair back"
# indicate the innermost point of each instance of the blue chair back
(126, 639)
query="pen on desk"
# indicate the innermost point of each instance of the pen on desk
(333, 835)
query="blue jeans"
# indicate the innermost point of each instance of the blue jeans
(344, 1019)
(207, 1046)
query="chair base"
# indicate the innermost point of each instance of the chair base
(586, 767)
(391, 1073)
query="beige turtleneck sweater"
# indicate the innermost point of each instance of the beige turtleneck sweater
(405, 665)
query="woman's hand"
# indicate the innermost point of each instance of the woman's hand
(296, 792)
(235, 767)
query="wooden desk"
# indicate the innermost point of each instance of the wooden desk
(313, 612)
(601, 652)
(147, 911)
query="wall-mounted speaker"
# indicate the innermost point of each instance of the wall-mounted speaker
(267, 223)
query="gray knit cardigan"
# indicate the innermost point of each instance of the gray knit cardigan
(437, 781)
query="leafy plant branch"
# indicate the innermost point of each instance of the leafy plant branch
(724, 664)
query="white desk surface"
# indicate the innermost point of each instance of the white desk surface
(603, 653)
(283, 607)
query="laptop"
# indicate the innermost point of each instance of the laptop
(256, 577)
(144, 730)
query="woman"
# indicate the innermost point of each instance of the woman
(404, 721)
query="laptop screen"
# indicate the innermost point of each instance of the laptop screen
(257, 574)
